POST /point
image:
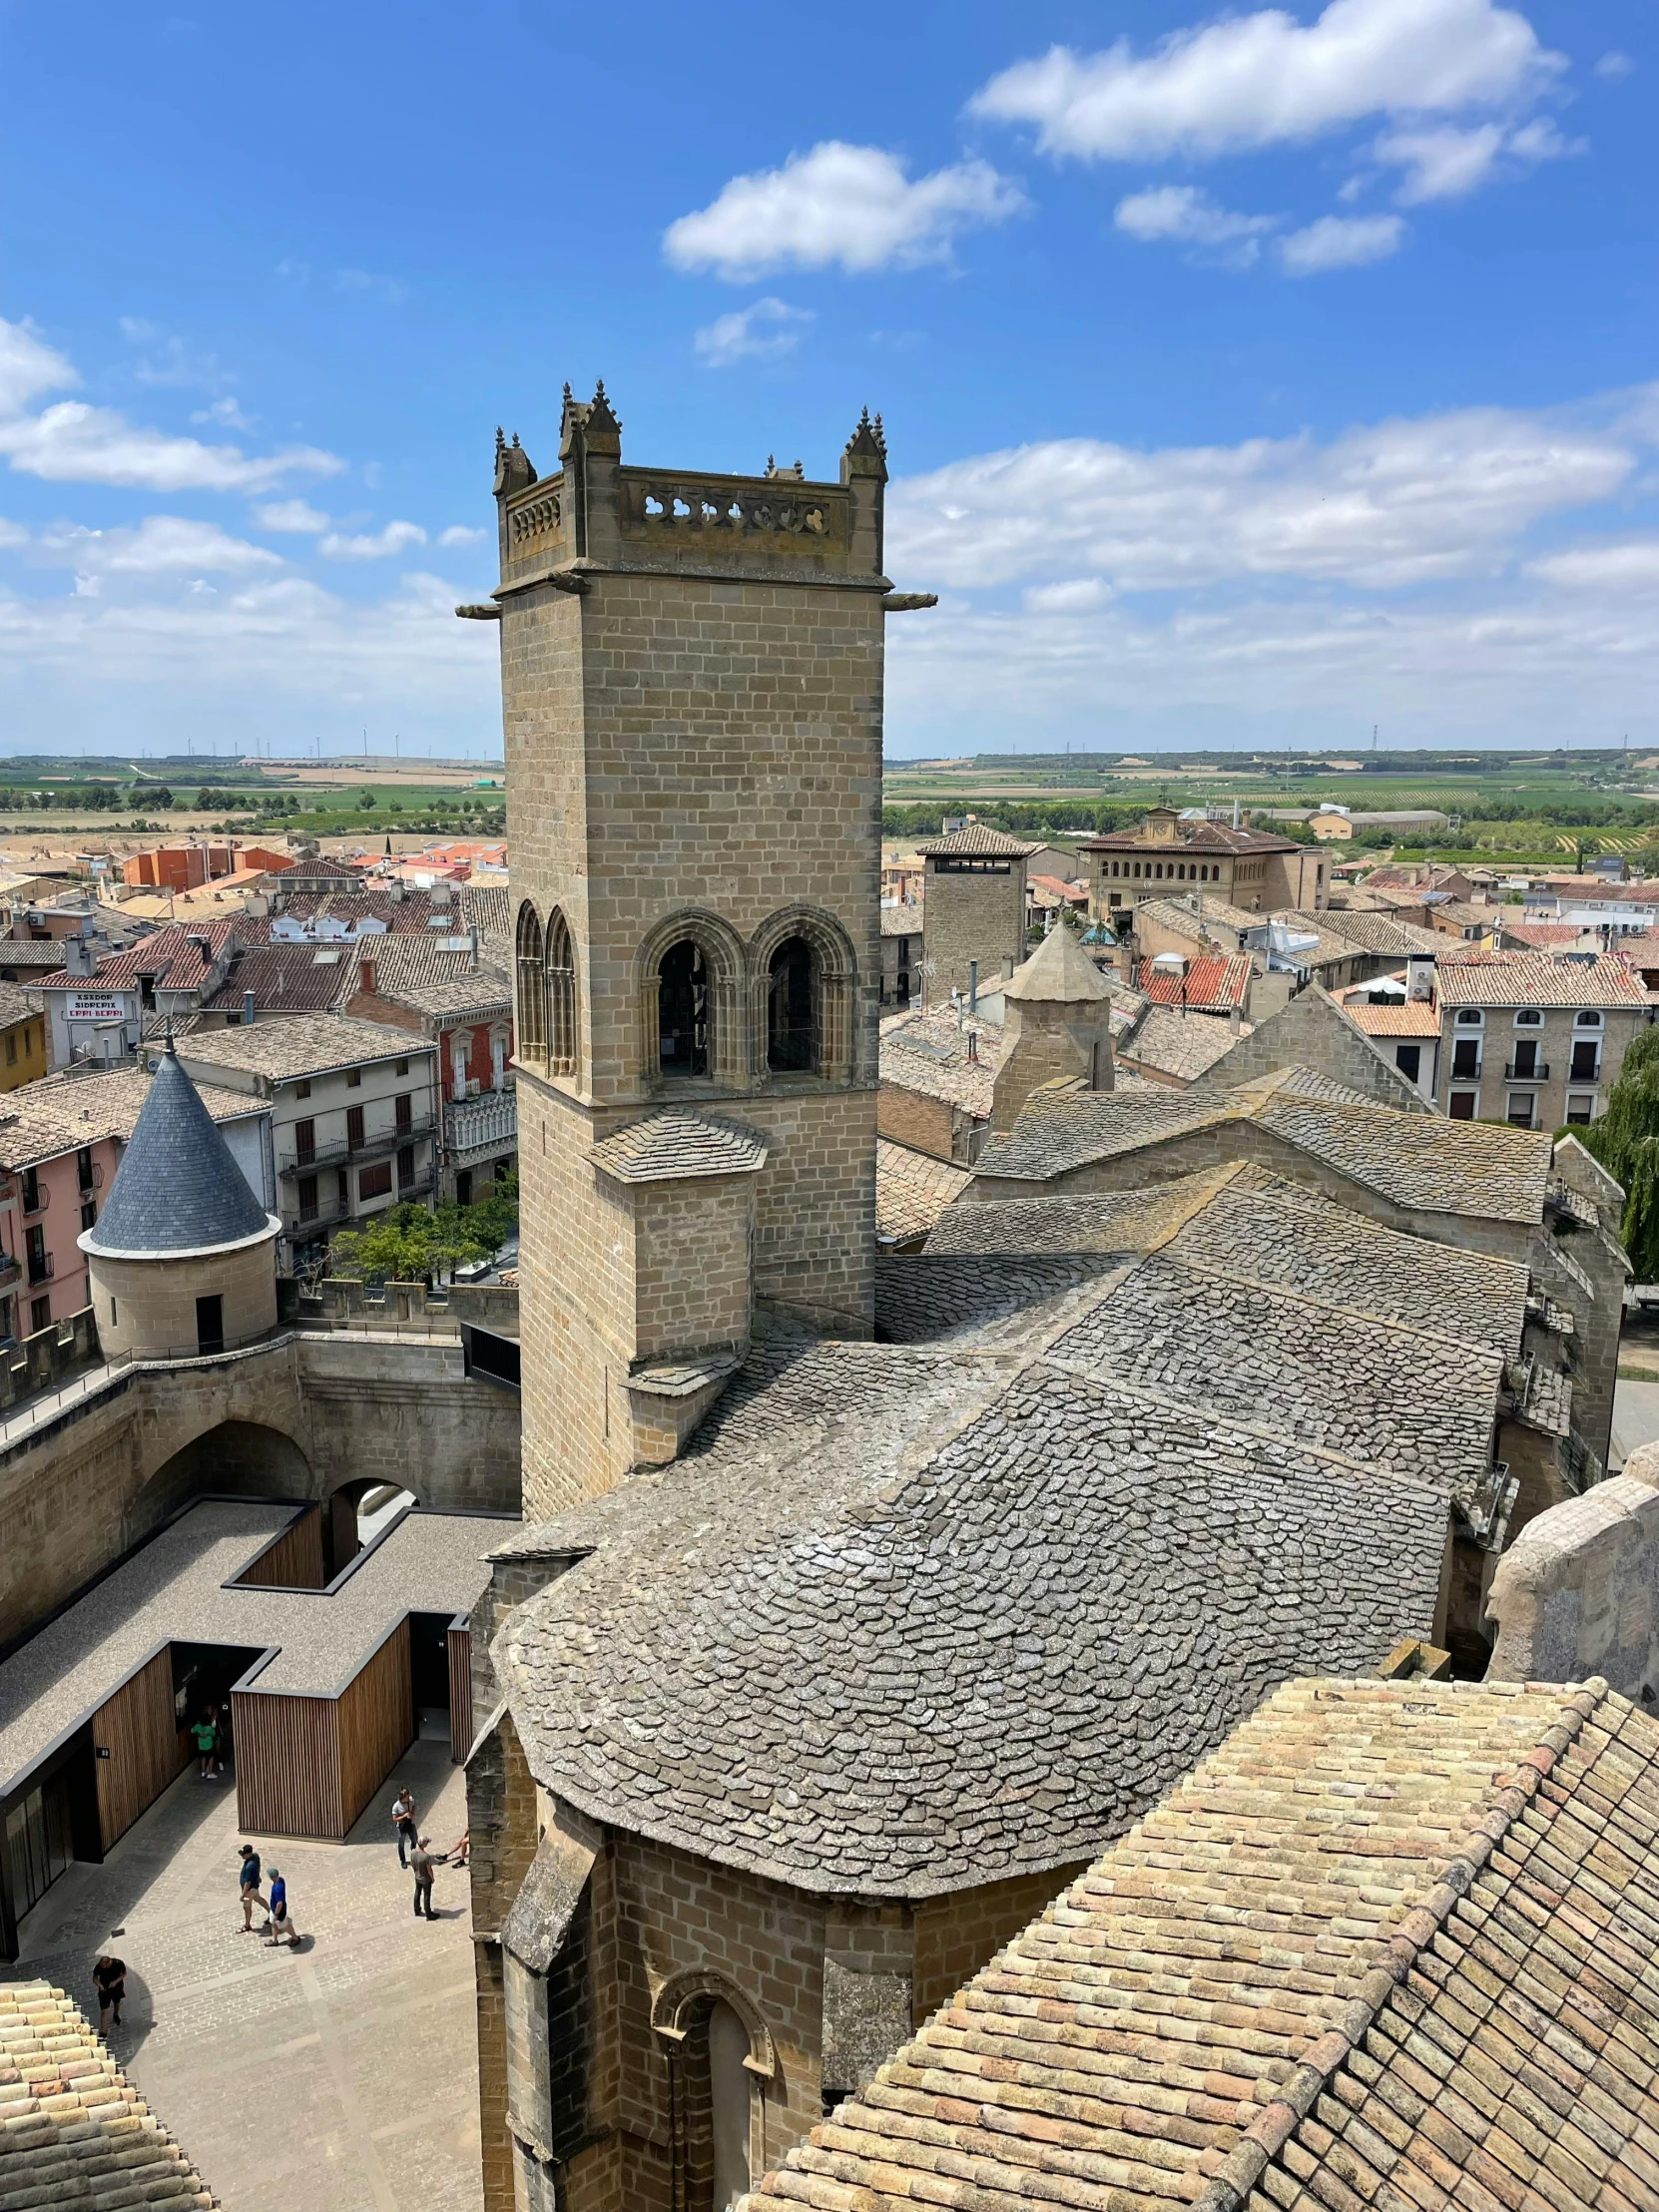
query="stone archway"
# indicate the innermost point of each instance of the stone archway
(235, 1458)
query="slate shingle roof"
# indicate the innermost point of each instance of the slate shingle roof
(1420, 1162)
(1098, 1221)
(73, 2129)
(945, 1626)
(177, 1188)
(675, 1143)
(1392, 1945)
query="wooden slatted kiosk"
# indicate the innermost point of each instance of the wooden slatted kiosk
(307, 1765)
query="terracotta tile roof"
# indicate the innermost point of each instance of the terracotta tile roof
(61, 1113)
(1188, 915)
(1416, 1018)
(298, 1045)
(1373, 932)
(1217, 983)
(1389, 1945)
(978, 838)
(1540, 936)
(912, 1190)
(674, 1144)
(1192, 837)
(73, 2129)
(170, 957)
(14, 1006)
(1536, 979)
(287, 978)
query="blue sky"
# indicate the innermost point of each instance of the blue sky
(1247, 378)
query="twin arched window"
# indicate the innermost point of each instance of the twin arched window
(546, 993)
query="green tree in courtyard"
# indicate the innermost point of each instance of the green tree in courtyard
(1626, 1142)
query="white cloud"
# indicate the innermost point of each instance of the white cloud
(1445, 163)
(1614, 65)
(1078, 595)
(1184, 213)
(29, 366)
(1264, 80)
(290, 515)
(391, 291)
(397, 537)
(763, 332)
(12, 533)
(1623, 564)
(225, 411)
(1383, 505)
(850, 205)
(461, 533)
(1341, 242)
(160, 545)
(72, 442)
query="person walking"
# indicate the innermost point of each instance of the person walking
(248, 1882)
(423, 1866)
(403, 1819)
(205, 1734)
(109, 1979)
(279, 1928)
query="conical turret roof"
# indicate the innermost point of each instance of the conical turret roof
(1058, 973)
(177, 1189)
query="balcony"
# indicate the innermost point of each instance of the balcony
(375, 1144)
(41, 1268)
(1526, 1071)
(475, 1128)
(11, 1269)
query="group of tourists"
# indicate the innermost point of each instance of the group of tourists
(416, 1853)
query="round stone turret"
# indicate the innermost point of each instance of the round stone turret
(183, 1258)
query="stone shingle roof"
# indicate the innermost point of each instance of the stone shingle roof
(1498, 1173)
(923, 1299)
(177, 1188)
(1390, 1945)
(1100, 1221)
(676, 1143)
(912, 1190)
(945, 1626)
(1058, 973)
(302, 1045)
(978, 838)
(1418, 1161)
(417, 973)
(930, 1054)
(73, 2129)
(14, 1005)
(1538, 979)
(901, 921)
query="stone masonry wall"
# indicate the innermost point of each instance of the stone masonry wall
(924, 1124)
(972, 916)
(679, 746)
(693, 1263)
(1577, 1593)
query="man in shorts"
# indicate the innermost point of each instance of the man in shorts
(247, 1881)
(279, 1928)
(109, 1977)
(204, 1736)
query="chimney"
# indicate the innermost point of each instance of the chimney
(473, 933)
(247, 1010)
(973, 1048)
(973, 986)
(367, 977)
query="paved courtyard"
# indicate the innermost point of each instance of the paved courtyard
(340, 2077)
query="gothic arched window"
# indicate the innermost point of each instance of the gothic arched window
(729, 2105)
(561, 998)
(531, 1022)
(682, 1039)
(792, 1009)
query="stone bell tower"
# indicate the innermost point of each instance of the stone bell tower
(691, 674)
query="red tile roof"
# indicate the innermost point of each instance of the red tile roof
(1536, 979)
(1194, 837)
(1216, 983)
(170, 957)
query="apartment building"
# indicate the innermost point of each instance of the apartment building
(354, 1108)
(1254, 869)
(1535, 1038)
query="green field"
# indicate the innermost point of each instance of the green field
(117, 794)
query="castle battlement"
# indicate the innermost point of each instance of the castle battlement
(596, 512)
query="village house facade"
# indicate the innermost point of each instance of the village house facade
(1535, 1039)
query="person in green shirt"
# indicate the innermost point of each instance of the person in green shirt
(205, 1735)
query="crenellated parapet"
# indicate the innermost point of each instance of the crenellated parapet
(595, 512)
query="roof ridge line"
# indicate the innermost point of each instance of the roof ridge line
(1106, 1379)
(1329, 1305)
(1216, 1180)
(1234, 2179)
